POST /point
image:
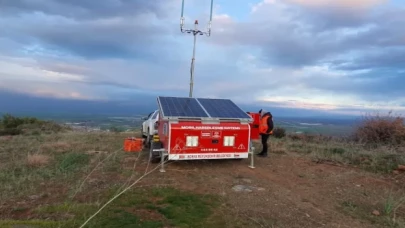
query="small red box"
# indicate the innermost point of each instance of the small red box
(133, 145)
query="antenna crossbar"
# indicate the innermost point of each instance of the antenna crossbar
(195, 32)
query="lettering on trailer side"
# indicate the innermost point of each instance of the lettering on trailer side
(216, 134)
(209, 149)
(209, 156)
(205, 134)
(210, 127)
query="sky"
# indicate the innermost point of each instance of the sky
(340, 57)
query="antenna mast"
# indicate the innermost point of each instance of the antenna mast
(195, 32)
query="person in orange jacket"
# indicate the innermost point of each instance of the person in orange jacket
(265, 129)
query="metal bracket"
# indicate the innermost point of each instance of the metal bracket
(163, 153)
(252, 157)
(195, 31)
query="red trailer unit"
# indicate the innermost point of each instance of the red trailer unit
(201, 128)
(254, 126)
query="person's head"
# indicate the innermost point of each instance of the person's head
(262, 112)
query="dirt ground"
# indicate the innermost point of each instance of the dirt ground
(286, 189)
(289, 191)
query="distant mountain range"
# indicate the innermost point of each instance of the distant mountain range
(22, 104)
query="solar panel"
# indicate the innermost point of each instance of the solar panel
(181, 107)
(222, 108)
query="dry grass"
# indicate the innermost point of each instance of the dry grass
(58, 158)
(380, 158)
(278, 147)
(71, 170)
(80, 169)
(377, 145)
(56, 147)
(38, 160)
(381, 129)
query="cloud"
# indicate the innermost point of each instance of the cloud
(293, 35)
(341, 3)
(86, 9)
(106, 37)
(326, 55)
(318, 50)
(82, 45)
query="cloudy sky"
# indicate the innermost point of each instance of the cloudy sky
(343, 56)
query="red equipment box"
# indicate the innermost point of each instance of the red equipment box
(133, 145)
(201, 128)
(254, 126)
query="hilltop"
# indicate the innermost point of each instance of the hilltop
(57, 177)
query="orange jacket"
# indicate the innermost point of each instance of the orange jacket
(264, 126)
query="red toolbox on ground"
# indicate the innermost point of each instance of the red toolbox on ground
(133, 144)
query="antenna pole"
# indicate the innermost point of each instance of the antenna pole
(195, 32)
(193, 60)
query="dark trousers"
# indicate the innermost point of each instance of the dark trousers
(265, 137)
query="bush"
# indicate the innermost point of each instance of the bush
(379, 129)
(11, 125)
(279, 132)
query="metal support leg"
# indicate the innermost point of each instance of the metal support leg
(252, 157)
(162, 162)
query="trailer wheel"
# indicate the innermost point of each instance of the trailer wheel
(154, 156)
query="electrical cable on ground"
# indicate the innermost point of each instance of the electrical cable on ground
(116, 196)
(101, 162)
(129, 179)
(132, 175)
(80, 186)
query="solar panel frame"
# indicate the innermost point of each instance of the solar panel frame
(201, 108)
(223, 108)
(184, 107)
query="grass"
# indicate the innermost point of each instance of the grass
(28, 224)
(37, 160)
(68, 163)
(385, 208)
(28, 161)
(154, 207)
(185, 210)
(382, 159)
(40, 176)
(50, 168)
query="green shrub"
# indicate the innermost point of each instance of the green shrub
(11, 125)
(279, 132)
(73, 161)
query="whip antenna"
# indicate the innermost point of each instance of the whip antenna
(195, 32)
